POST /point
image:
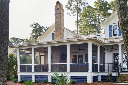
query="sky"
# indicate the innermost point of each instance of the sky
(23, 13)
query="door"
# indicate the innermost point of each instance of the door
(80, 58)
(115, 60)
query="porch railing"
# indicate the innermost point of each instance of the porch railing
(26, 68)
(59, 67)
(41, 68)
(79, 67)
(108, 67)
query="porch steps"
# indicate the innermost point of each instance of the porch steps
(123, 78)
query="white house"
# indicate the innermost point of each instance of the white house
(80, 57)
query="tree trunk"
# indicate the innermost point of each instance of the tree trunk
(122, 11)
(4, 33)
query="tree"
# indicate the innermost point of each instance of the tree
(122, 12)
(16, 41)
(4, 35)
(37, 30)
(113, 5)
(91, 17)
(87, 21)
(102, 8)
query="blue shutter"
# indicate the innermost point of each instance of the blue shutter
(119, 31)
(52, 36)
(110, 30)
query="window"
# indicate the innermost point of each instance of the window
(74, 59)
(52, 36)
(114, 30)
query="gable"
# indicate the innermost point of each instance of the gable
(47, 36)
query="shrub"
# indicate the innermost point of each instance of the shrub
(73, 81)
(109, 79)
(60, 80)
(28, 83)
(21, 81)
(45, 81)
(36, 81)
(12, 67)
(53, 82)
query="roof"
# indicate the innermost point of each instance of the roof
(72, 32)
(113, 14)
(95, 40)
(10, 44)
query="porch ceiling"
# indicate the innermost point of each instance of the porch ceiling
(95, 40)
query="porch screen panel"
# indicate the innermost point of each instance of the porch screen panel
(26, 56)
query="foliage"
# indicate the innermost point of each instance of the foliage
(12, 67)
(113, 5)
(73, 7)
(16, 41)
(73, 81)
(45, 81)
(28, 83)
(53, 82)
(25, 59)
(60, 80)
(21, 81)
(37, 30)
(36, 81)
(88, 21)
(109, 79)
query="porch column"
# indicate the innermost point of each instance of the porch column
(90, 76)
(49, 58)
(68, 57)
(90, 56)
(120, 55)
(98, 58)
(18, 62)
(33, 61)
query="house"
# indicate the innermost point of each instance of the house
(88, 58)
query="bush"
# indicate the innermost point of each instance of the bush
(109, 79)
(60, 80)
(45, 81)
(28, 83)
(53, 82)
(36, 81)
(21, 81)
(73, 81)
(12, 67)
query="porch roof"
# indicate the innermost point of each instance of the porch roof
(95, 40)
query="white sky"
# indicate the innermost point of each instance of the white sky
(22, 13)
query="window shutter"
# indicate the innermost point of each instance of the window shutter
(119, 31)
(110, 30)
(52, 36)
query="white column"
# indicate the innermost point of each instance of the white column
(90, 56)
(49, 78)
(33, 61)
(99, 77)
(18, 62)
(49, 58)
(90, 78)
(68, 57)
(33, 78)
(98, 58)
(120, 55)
(18, 59)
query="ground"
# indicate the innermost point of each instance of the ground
(95, 83)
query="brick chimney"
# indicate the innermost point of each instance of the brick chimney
(59, 21)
